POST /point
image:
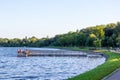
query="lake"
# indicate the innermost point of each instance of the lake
(42, 68)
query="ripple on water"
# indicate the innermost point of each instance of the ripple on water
(43, 68)
(24, 77)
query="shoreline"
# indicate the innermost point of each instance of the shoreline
(104, 69)
(109, 66)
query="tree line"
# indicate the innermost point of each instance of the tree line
(94, 36)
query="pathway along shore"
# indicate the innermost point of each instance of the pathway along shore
(114, 75)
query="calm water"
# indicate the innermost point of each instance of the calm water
(42, 68)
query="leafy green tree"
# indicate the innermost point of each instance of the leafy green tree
(97, 43)
(99, 35)
(118, 41)
(90, 40)
(109, 29)
(4, 42)
(118, 28)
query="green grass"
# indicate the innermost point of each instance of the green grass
(112, 63)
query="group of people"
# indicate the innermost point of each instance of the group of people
(24, 52)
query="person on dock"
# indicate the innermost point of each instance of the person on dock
(19, 50)
(25, 52)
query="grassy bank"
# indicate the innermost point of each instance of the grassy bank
(112, 63)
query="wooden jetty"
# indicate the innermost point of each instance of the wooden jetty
(55, 53)
(59, 53)
(48, 54)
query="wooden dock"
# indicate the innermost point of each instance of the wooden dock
(53, 55)
(60, 53)
(56, 53)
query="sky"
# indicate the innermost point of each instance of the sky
(42, 18)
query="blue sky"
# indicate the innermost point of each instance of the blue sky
(41, 18)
